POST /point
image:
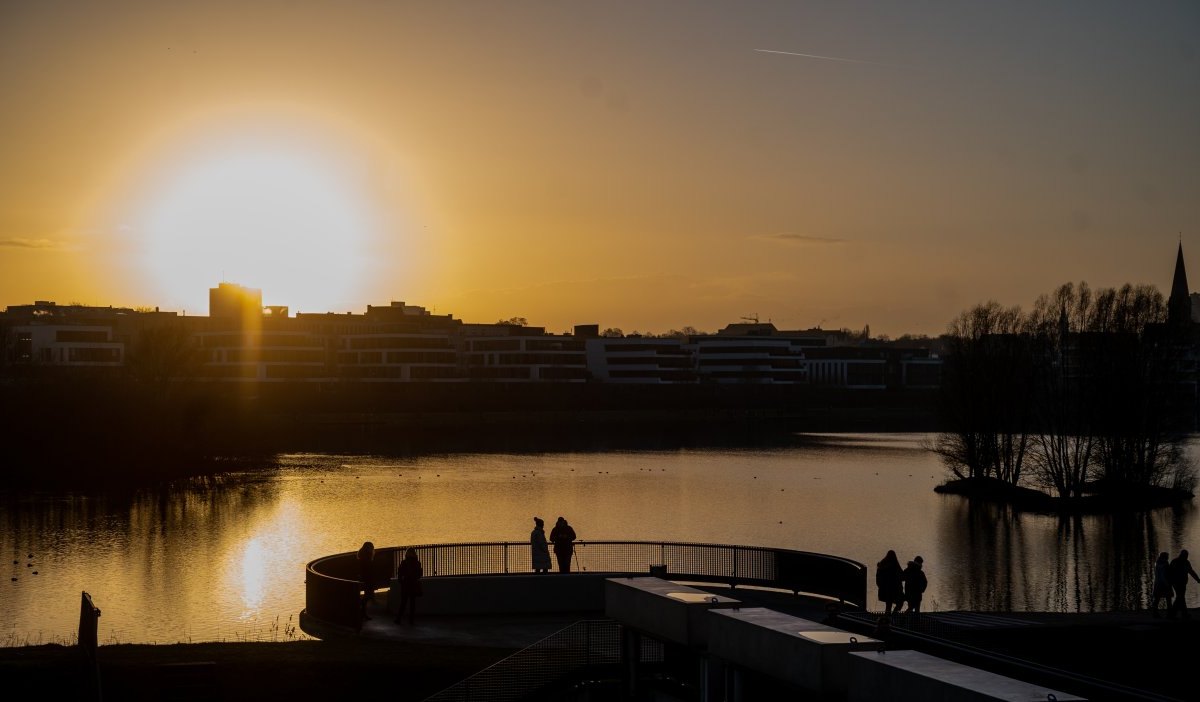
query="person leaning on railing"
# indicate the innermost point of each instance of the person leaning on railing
(409, 575)
(538, 547)
(563, 538)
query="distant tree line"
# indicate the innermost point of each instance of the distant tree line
(1086, 392)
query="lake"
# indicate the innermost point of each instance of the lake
(223, 560)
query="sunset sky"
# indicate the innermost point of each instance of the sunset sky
(644, 165)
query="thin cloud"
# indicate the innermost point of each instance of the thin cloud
(823, 58)
(800, 239)
(19, 242)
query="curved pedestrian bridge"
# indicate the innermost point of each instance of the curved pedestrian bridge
(691, 621)
(497, 578)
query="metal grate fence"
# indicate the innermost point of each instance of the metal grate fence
(728, 563)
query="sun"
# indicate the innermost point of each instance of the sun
(277, 215)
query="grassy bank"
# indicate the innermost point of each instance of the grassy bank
(295, 670)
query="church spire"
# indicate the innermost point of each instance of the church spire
(1179, 305)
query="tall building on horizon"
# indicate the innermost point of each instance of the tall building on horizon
(1179, 304)
(230, 300)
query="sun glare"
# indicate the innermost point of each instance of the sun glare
(277, 217)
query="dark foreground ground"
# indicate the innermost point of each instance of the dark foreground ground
(294, 670)
(1131, 650)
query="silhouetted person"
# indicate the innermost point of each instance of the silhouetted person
(1161, 587)
(915, 583)
(366, 574)
(888, 581)
(1178, 572)
(538, 547)
(409, 575)
(563, 538)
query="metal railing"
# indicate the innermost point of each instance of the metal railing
(559, 656)
(333, 588)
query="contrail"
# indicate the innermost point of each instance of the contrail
(823, 58)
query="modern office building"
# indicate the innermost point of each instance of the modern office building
(242, 341)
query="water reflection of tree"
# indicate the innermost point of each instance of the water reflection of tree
(1014, 561)
(992, 548)
(132, 520)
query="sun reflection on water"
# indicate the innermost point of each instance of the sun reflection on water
(254, 576)
(269, 548)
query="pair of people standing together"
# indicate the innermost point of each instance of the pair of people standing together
(408, 574)
(563, 538)
(897, 586)
(1171, 578)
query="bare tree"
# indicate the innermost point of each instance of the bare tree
(986, 390)
(1093, 374)
(1065, 445)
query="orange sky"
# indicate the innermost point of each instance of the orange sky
(637, 165)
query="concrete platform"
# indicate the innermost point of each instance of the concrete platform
(500, 631)
(662, 609)
(912, 676)
(803, 653)
(507, 594)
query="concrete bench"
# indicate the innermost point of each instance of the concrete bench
(662, 609)
(806, 654)
(917, 677)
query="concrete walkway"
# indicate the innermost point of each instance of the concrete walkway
(494, 631)
(516, 631)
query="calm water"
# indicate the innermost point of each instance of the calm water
(205, 563)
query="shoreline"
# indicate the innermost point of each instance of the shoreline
(131, 464)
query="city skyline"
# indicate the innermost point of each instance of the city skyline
(646, 167)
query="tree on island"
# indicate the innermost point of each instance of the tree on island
(985, 394)
(1079, 396)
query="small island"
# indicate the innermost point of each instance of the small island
(1098, 497)
(1083, 404)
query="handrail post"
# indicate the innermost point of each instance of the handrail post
(506, 557)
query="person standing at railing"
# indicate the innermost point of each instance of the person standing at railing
(563, 537)
(366, 575)
(915, 584)
(538, 547)
(1178, 571)
(409, 574)
(888, 580)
